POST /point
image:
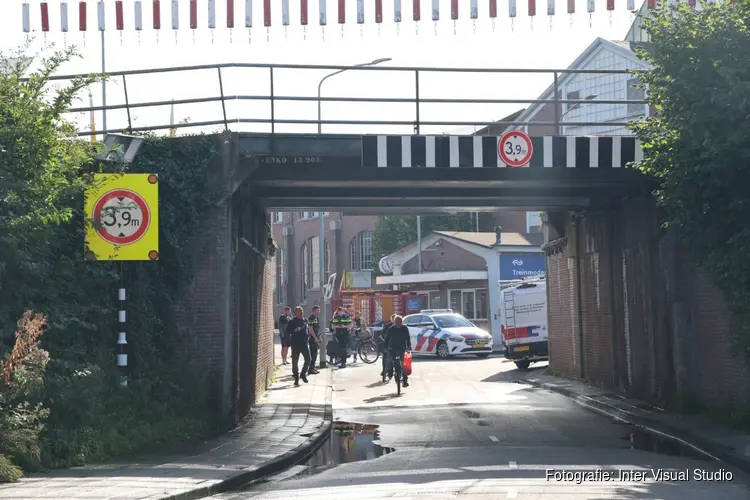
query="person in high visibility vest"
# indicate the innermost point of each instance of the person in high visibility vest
(340, 326)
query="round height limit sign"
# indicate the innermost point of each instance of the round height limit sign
(515, 148)
(121, 216)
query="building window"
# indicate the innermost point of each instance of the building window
(471, 304)
(635, 94)
(315, 262)
(305, 261)
(360, 251)
(328, 263)
(280, 276)
(311, 215)
(573, 96)
(278, 217)
(533, 222)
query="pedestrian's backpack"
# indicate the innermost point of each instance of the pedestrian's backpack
(407, 363)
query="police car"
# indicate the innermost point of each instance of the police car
(443, 333)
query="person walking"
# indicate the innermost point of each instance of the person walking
(284, 320)
(298, 331)
(314, 340)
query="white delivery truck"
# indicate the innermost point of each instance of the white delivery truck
(523, 322)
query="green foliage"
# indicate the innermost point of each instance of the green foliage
(698, 145)
(9, 472)
(44, 171)
(22, 416)
(392, 232)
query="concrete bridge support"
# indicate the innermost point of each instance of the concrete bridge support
(629, 312)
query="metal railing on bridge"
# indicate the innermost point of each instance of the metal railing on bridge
(279, 107)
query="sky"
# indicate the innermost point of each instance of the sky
(546, 43)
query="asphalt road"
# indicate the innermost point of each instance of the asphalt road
(467, 428)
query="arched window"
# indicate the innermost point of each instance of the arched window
(360, 251)
(314, 263)
(305, 270)
(328, 263)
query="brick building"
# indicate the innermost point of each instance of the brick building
(627, 310)
(348, 248)
(463, 270)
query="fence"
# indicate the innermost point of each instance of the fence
(420, 101)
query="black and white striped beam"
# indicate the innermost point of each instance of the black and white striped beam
(122, 355)
(453, 151)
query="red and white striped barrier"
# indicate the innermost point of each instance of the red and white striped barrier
(135, 16)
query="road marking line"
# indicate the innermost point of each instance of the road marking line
(493, 438)
(513, 465)
(512, 493)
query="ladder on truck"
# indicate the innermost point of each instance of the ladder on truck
(510, 311)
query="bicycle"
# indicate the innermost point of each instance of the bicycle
(398, 367)
(366, 348)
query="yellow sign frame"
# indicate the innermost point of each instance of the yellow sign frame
(141, 191)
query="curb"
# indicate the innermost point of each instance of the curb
(703, 446)
(274, 466)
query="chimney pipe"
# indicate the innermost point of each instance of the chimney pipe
(498, 234)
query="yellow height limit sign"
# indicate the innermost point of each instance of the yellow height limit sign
(122, 212)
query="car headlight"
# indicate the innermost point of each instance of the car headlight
(456, 339)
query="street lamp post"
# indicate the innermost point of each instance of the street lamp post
(576, 106)
(321, 223)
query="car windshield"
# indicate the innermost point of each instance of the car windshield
(451, 321)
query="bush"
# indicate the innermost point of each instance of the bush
(44, 171)
(22, 417)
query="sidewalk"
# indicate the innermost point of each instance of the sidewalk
(285, 428)
(698, 432)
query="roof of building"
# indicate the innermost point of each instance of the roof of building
(497, 129)
(622, 48)
(488, 239)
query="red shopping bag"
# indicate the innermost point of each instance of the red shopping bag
(407, 363)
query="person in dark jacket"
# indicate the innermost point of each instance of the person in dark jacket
(381, 343)
(397, 343)
(284, 320)
(299, 335)
(314, 322)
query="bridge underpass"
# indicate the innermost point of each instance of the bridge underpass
(622, 287)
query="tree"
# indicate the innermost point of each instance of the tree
(392, 232)
(698, 144)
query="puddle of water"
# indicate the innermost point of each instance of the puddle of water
(641, 440)
(349, 442)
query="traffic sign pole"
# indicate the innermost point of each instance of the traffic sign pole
(123, 224)
(122, 354)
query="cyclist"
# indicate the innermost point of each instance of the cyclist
(397, 343)
(381, 342)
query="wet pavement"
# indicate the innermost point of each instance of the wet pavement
(470, 428)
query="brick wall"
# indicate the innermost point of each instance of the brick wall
(562, 311)
(200, 316)
(265, 352)
(653, 325)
